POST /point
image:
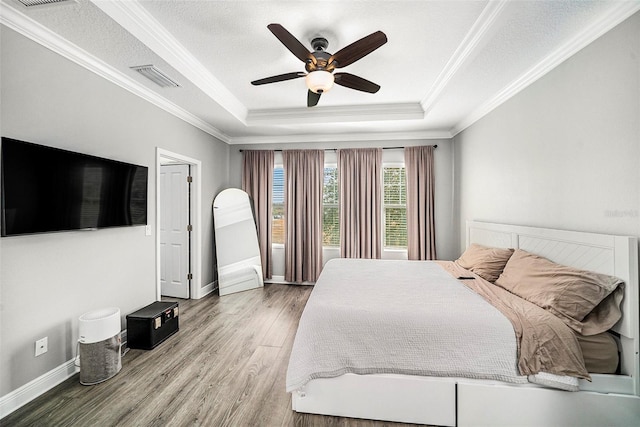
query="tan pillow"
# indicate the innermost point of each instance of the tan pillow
(485, 262)
(605, 315)
(600, 353)
(569, 293)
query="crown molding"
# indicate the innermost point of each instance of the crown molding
(336, 114)
(618, 13)
(135, 19)
(33, 30)
(466, 48)
(344, 137)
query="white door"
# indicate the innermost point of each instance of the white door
(174, 231)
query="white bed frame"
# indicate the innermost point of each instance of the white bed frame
(609, 400)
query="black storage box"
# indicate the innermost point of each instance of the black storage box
(151, 325)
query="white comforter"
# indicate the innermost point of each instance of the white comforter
(402, 317)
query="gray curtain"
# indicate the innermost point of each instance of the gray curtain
(303, 182)
(257, 182)
(359, 177)
(421, 230)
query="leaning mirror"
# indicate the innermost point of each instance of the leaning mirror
(237, 249)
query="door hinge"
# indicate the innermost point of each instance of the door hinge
(189, 179)
(189, 276)
(189, 227)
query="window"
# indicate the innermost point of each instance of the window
(395, 207)
(330, 212)
(277, 206)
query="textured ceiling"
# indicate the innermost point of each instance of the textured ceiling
(446, 63)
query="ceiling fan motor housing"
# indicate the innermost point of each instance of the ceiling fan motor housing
(319, 45)
(321, 62)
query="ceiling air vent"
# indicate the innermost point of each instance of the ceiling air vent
(155, 75)
(30, 3)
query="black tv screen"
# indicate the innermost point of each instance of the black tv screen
(47, 189)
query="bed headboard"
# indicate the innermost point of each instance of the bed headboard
(602, 253)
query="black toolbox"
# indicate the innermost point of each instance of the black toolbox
(151, 325)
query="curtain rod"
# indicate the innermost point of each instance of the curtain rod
(384, 148)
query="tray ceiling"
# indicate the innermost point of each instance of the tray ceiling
(445, 65)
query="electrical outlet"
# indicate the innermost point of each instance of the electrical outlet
(42, 345)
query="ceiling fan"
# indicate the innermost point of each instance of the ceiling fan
(320, 64)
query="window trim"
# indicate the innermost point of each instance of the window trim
(273, 242)
(336, 205)
(383, 207)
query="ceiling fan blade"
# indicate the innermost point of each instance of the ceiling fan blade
(358, 50)
(291, 43)
(312, 98)
(354, 82)
(278, 78)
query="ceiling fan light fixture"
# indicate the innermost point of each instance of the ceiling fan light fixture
(319, 81)
(320, 64)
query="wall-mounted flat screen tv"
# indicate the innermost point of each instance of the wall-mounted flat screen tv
(47, 189)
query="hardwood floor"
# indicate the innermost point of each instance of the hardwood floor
(225, 367)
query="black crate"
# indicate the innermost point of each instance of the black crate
(151, 325)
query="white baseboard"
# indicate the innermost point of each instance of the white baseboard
(276, 279)
(279, 280)
(207, 289)
(25, 394)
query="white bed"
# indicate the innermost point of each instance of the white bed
(607, 400)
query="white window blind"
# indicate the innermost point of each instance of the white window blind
(330, 210)
(395, 207)
(277, 206)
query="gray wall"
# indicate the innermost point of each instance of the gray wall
(49, 280)
(565, 152)
(444, 218)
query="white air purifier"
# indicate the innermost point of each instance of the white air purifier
(99, 345)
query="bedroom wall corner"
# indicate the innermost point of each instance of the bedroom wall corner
(563, 153)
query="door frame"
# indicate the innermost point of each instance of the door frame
(195, 290)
